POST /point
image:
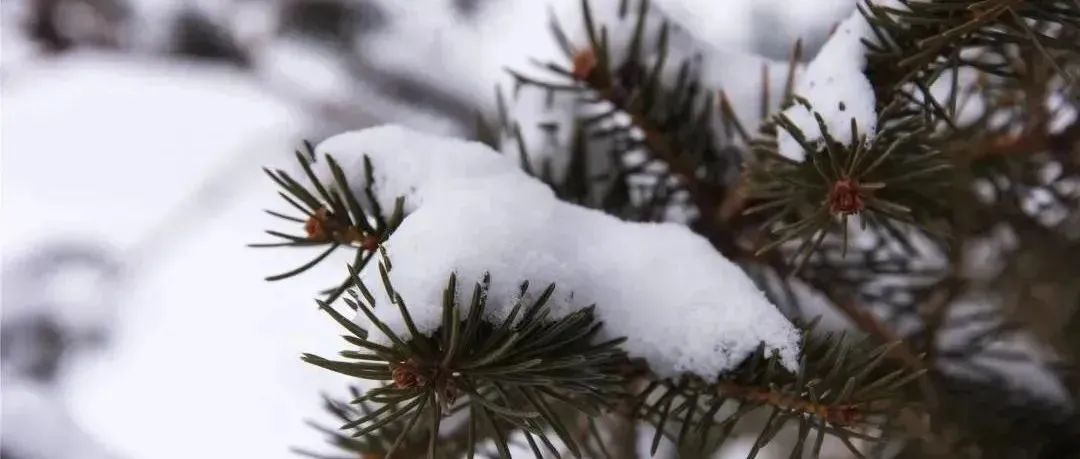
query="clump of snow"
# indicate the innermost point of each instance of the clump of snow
(682, 306)
(409, 163)
(836, 89)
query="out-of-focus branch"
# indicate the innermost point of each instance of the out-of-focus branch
(1029, 142)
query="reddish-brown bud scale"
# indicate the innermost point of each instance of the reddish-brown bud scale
(406, 375)
(315, 227)
(845, 415)
(845, 198)
(370, 243)
(584, 62)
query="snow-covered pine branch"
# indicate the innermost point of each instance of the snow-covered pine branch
(682, 306)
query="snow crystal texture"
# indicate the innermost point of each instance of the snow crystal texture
(682, 306)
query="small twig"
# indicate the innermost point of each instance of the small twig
(1032, 141)
(843, 414)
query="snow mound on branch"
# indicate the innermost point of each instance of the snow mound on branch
(682, 306)
(836, 88)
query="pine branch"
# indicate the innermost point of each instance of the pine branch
(916, 42)
(841, 388)
(517, 374)
(594, 75)
(1029, 143)
(661, 145)
(332, 216)
(671, 118)
(900, 179)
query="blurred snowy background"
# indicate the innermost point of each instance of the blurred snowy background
(135, 323)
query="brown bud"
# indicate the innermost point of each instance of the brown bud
(845, 415)
(406, 375)
(370, 242)
(316, 225)
(584, 63)
(845, 198)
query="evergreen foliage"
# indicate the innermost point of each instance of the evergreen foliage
(332, 216)
(927, 189)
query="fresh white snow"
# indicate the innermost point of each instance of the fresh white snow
(836, 88)
(159, 161)
(682, 306)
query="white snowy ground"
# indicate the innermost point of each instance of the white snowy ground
(159, 161)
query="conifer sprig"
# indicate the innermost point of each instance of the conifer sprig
(916, 43)
(906, 176)
(332, 216)
(898, 178)
(844, 388)
(528, 372)
(374, 444)
(639, 109)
